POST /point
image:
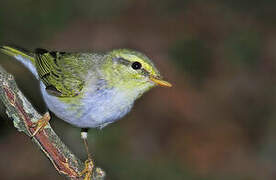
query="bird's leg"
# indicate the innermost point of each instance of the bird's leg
(89, 164)
(41, 123)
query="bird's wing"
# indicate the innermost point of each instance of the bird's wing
(62, 73)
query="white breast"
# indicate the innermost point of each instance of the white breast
(94, 109)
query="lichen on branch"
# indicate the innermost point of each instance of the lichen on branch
(23, 114)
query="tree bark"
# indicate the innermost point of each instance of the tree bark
(23, 114)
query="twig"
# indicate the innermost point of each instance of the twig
(20, 110)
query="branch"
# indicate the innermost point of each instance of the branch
(20, 110)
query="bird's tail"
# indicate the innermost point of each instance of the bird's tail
(16, 51)
(22, 55)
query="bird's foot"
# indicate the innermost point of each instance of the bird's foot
(88, 170)
(41, 123)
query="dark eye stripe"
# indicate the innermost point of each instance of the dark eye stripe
(122, 61)
(145, 72)
(127, 63)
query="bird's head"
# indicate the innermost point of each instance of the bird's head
(131, 70)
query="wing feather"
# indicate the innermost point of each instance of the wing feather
(60, 72)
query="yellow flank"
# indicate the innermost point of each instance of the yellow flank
(73, 104)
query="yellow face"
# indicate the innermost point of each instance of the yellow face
(135, 68)
(140, 62)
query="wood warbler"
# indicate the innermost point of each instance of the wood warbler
(89, 90)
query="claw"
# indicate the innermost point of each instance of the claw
(41, 123)
(88, 170)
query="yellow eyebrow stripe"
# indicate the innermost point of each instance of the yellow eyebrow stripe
(145, 65)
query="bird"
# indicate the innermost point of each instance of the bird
(89, 89)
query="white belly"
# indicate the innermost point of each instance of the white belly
(93, 110)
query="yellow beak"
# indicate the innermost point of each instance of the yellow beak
(160, 82)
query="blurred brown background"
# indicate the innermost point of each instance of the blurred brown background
(218, 122)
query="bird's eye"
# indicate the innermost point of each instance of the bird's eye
(136, 65)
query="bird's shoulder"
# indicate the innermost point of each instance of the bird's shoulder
(64, 73)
